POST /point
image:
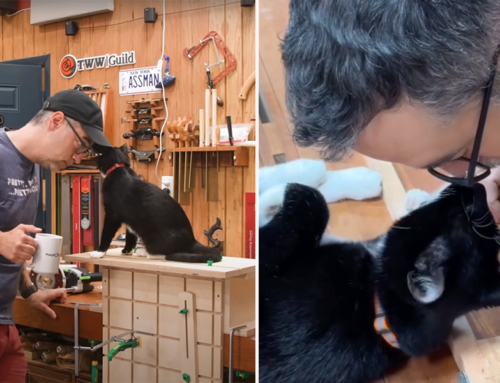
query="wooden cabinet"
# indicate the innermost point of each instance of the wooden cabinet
(38, 372)
(189, 309)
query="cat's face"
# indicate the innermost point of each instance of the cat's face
(446, 252)
(112, 156)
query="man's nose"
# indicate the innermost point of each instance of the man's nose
(77, 158)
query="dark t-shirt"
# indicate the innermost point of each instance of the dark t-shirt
(19, 194)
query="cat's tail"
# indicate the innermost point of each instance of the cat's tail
(197, 254)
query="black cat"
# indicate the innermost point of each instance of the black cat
(147, 211)
(318, 300)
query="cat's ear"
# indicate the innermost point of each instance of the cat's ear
(426, 282)
(124, 148)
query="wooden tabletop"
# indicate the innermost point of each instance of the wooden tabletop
(229, 267)
(90, 322)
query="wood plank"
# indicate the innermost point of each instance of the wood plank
(62, 48)
(39, 41)
(279, 117)
(8, 38)
(98, 22)
(229, 267)
(17, 25)
(27, 35)
(86, 50)
(234, 176)
(216, 21)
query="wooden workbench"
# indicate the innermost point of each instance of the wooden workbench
(90, 321)
(189, 309)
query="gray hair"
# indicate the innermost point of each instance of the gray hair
(347, 60)
(43, 116)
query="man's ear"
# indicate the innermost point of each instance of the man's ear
(56, 121)
(426, 282)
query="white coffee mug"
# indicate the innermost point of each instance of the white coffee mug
(47, 254)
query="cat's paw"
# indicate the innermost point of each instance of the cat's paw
(127, 251)
(97, 254)
(303, 171)
(270, 202)
(358, 184)
(415, 198)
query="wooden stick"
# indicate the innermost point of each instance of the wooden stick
(201, 141)
(207, 117)
(214, 116)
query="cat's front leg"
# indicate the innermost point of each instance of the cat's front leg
(130, 242)
(295, 230)
(111, 226)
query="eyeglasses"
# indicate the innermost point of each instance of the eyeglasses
(84, 148)
(475, 171)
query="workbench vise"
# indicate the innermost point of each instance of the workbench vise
(73, 279)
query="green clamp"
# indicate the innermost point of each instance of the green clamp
(122, 346)
(183, 311)
(243, 375)
(186, 378)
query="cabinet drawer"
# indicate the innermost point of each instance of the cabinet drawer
(41, 375)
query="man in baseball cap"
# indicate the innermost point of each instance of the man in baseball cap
(80, 107)
(63, 132)
(60, 134)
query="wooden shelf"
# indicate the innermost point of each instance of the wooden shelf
(220, 156)
(153, 109)
(211, 149)
(152, 101)
(83, 171)
(153, 119)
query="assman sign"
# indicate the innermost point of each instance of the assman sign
(70, 64)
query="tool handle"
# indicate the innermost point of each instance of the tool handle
(122, 346)
(94, 277)
(246, 86)
(95, 366)
(230, 130)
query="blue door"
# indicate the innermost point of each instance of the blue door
(20, 94)
(21, 97)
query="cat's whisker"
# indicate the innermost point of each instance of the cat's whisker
(465, 209)
(482, 236)
(484, 216)
(480, 224)
(399, 227)
(473, 205)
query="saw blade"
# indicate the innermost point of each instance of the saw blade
(47, 281)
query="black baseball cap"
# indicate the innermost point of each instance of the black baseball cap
(79, 106)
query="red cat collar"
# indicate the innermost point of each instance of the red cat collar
(381, 325)
(114, 167)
